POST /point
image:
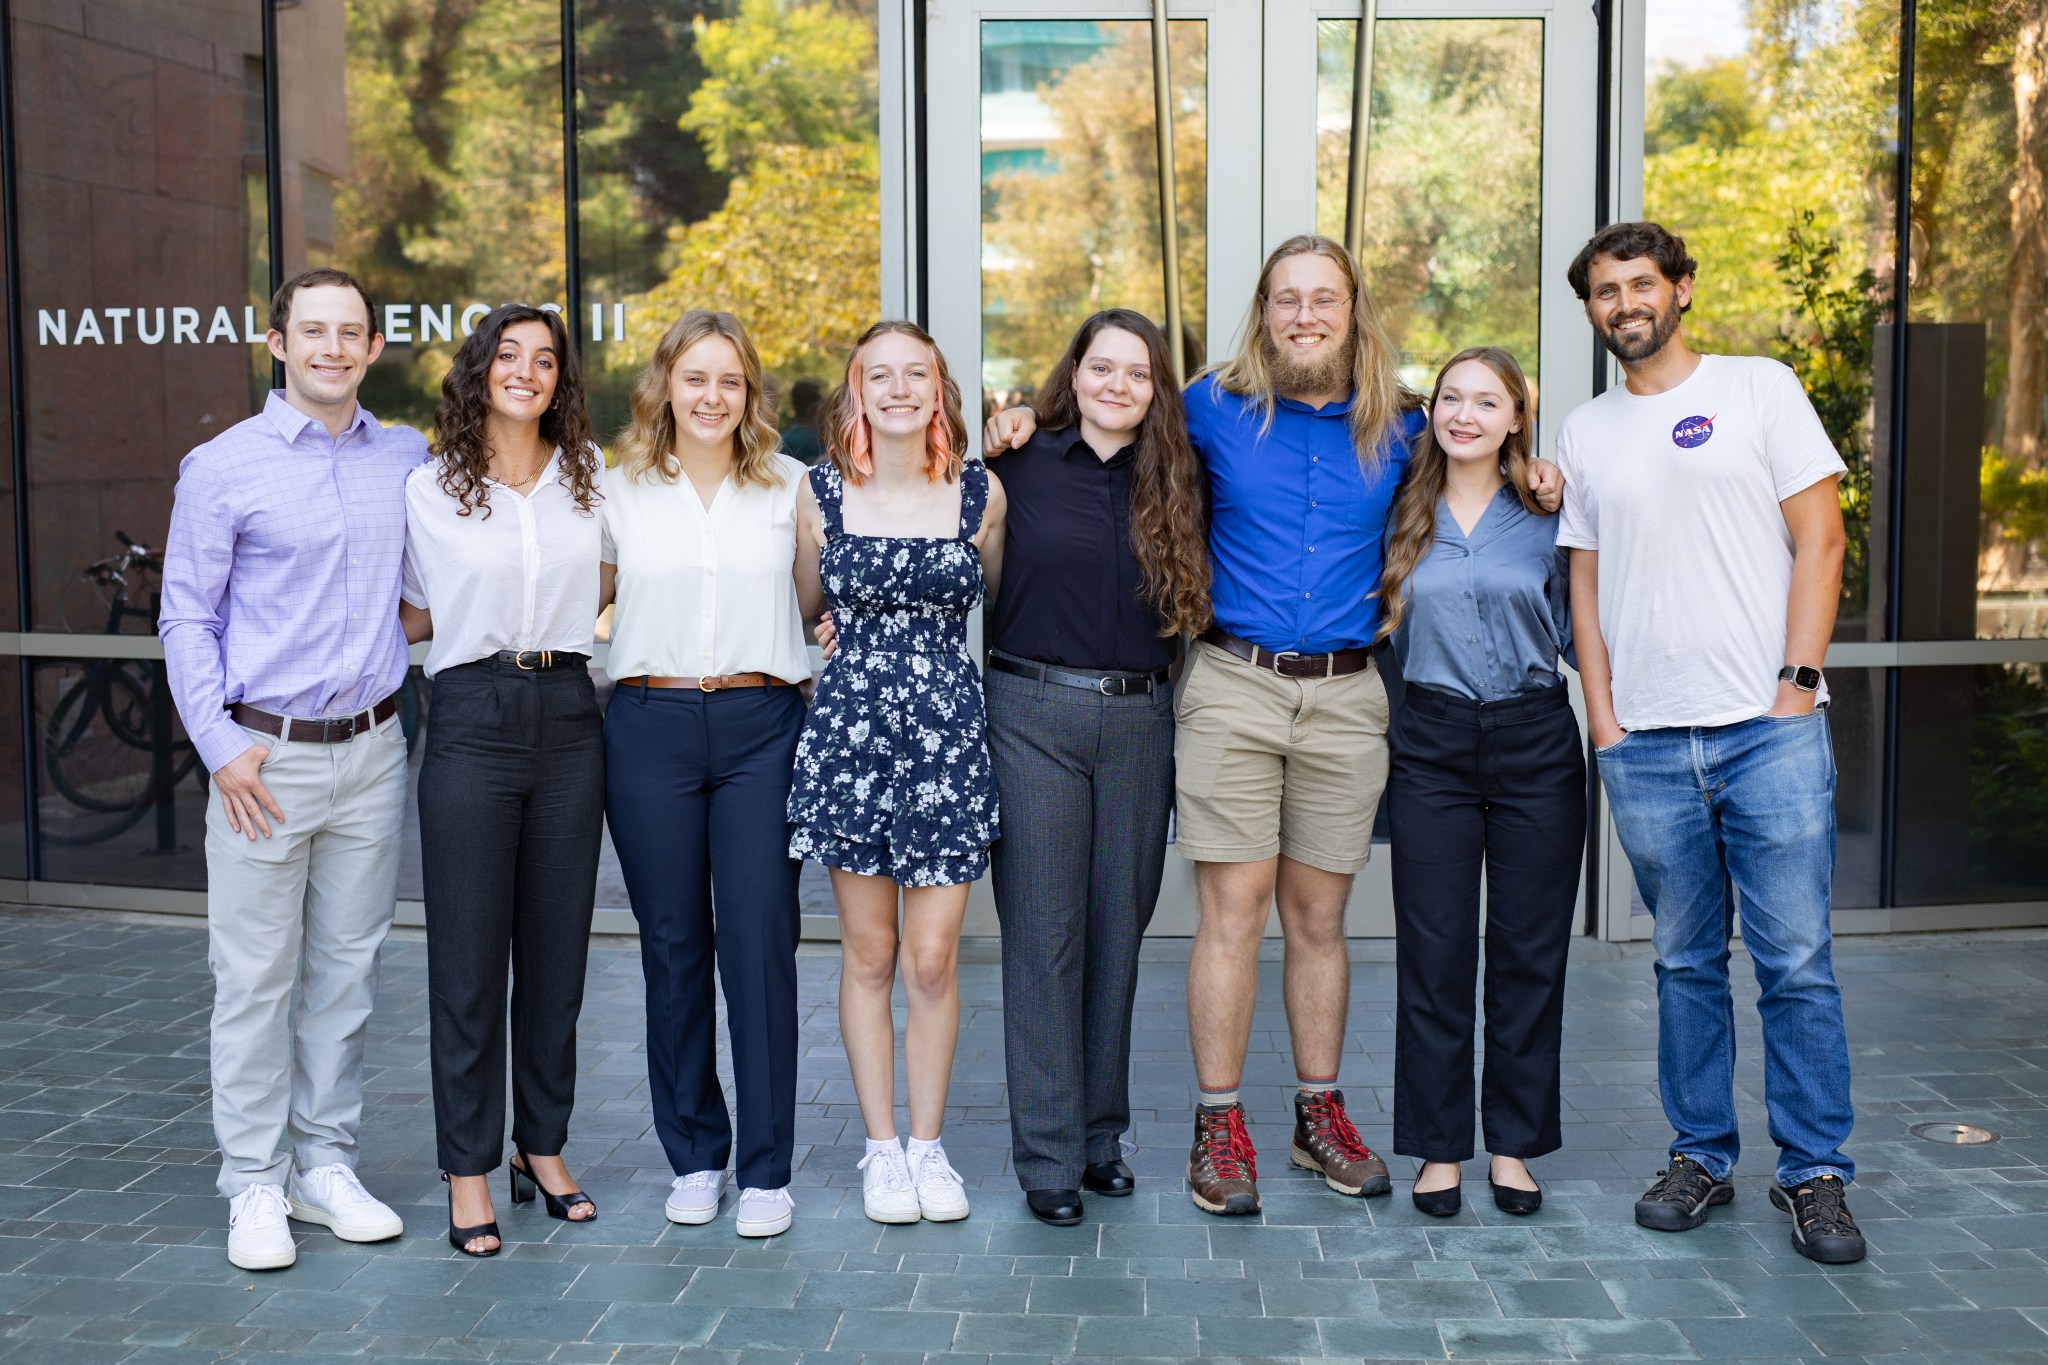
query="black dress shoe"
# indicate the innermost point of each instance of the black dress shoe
(1439, 1203)
(1508, 1199)
(1061, 1208)
(1112, 1178)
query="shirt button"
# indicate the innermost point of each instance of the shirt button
(1308, 594)
(1312, 550)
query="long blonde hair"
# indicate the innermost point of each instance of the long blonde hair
(1378, 395)
(647, 446)
(850, 444)
(1412, 529)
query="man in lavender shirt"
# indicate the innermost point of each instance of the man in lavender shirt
(280, 631)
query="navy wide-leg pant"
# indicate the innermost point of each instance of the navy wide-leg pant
(697, 790)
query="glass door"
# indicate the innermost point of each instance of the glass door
(1479, 189)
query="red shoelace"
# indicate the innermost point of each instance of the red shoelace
(1229, 1148)
(1327, 1110)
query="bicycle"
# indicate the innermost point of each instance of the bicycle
(114, 709)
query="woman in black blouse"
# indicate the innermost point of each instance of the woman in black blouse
(1106, 564)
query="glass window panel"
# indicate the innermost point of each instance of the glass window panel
(144, 266)
(422, 152)
(120, 791)
(1976, 830)
(1856, 729)
(728, 156)
(1767, 144)
(13, 824)
(1453, 243)
(1976, 448)
(1070, 187)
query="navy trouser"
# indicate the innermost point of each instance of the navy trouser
(697, 793)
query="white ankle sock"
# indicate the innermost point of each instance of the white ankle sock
(881, 1145)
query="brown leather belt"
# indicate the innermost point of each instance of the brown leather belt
(1290, 665)
(713, 683)
(333, 730)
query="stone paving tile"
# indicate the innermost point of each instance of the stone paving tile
(111, 1234)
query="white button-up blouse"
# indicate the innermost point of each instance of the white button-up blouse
(705, 590)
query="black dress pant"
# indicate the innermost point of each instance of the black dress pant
(511, 818)
(697, 792)
(1086, 783)
(1501, 784)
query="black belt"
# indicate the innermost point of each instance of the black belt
(1108, 684)
(533, 660)
(1290, 665)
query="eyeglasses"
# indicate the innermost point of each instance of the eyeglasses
(1321, 306)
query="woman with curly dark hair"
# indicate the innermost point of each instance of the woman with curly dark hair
(1106, 566)
(501, 571)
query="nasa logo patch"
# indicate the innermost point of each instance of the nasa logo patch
(1692, 431)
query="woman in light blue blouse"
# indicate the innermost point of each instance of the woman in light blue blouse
(1487, 772)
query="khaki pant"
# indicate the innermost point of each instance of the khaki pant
(1269, 765)
(302, 912)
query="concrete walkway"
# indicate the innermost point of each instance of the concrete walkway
(111, 1236)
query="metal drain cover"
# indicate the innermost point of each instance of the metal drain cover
(1958, 1134)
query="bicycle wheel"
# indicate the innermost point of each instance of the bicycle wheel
(105, 782)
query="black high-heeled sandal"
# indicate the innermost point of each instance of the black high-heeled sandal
(558, 1204)
(460, 1238)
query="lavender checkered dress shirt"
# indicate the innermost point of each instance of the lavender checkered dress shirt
(282, 571)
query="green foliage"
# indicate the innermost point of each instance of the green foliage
(2013, 499)
(2009, 777)
(1828, 341)
(795, 76)
(1712, 105)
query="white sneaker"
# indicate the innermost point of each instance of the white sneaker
(763, 1213)
(941, 1198)
(258, 1236)
(885, 1189)
(332, 1197)
(693, 1198)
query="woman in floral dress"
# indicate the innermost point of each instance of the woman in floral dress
(893, 790)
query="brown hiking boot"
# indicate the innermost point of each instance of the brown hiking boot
(1223, 1170)
(1325, 1142)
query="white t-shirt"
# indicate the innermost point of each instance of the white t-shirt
(1679, 493)
(705, 591)
(524, 577)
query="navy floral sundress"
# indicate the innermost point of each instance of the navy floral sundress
(892, 772)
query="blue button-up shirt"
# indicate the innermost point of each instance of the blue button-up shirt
(1295, 525)
(1488, 614)
(282, 570)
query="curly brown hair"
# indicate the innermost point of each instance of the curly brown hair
(461, 441)
(1411, 529)
(1169, 513)
(845, 419)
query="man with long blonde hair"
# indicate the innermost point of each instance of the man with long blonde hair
(1281, 748)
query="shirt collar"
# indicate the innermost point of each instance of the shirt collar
(291, 423)
(1071, 441)
(1337, 409)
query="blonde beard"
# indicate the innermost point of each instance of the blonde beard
(1292, 378)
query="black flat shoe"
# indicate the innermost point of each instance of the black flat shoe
(460, 1238)
(1508, 1199)
(1439, 1203)
(1061, 1208)
(558, 1204)
(1112, 1178)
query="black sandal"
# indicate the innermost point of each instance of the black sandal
(460, 1238)
(558, 1204)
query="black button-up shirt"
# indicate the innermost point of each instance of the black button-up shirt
(1072, 593)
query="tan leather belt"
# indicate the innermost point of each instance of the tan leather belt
(334, 730)
(713, 683)
(1290, 665)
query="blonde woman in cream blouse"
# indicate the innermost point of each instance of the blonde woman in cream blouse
(700, 738)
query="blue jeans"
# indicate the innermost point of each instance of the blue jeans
(1707, 816)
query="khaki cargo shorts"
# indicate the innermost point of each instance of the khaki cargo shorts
(1268, 765)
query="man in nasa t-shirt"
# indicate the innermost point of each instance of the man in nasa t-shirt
(1706, 543)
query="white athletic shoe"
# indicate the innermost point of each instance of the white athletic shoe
(332, 1197)
(693, 1198)
(941, 1198)
(258, 1236)
(885, 1189)
(763, 1213)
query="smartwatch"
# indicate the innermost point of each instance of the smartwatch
(1800, 676)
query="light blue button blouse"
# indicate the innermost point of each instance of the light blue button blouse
(1488, 614)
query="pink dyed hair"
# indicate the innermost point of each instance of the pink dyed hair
(848, 440)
